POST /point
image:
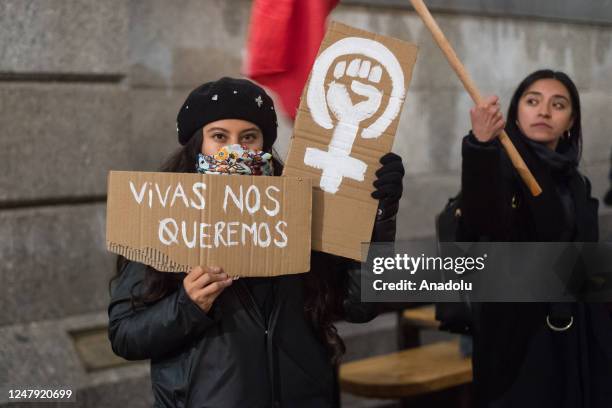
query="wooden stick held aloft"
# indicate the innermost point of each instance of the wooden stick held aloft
(471, 88)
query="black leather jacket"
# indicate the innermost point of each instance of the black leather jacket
(232, 357)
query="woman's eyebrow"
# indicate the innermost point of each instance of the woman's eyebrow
(533, 93)
(562, 97)
(250, 130)
(217, 129)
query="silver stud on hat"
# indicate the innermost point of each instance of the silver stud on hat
(259, 101)
(215, 97)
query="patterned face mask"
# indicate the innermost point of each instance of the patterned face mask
(236, 159)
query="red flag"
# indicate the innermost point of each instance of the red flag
(284, 38)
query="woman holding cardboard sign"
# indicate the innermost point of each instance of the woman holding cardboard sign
(534, 354)
(218, 342)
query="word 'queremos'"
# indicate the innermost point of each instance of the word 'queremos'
(249, 200)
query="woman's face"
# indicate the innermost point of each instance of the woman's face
(231, 131)
(545, 112)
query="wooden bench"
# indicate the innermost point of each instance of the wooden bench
(423, 317)
(412, 372)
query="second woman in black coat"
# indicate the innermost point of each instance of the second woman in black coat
(534, 354)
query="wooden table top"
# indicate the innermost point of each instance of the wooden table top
(410, 372)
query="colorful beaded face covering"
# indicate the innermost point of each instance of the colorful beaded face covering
(236, 159)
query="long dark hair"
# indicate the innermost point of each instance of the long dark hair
(575, 139)
(323, 287)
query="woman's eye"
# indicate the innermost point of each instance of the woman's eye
(218, 136)
(532, 101)
(559, 105)
(248, 137)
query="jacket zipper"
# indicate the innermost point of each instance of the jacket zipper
(268, 325)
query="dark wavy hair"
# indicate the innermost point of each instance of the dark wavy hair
(324, 287)
(575, 139)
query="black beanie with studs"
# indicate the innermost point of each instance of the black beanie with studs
(227, 98)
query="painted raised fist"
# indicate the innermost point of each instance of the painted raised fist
(339, 99)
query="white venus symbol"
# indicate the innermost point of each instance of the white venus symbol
(336, 162)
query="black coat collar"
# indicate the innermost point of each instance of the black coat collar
(550, 220)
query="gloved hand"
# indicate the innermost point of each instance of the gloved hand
(388, 191)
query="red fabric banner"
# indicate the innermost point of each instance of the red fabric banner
(284, 38)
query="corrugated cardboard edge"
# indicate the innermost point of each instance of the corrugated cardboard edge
(147, 256)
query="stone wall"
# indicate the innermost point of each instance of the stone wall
(87, 86)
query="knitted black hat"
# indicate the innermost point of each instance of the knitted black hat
(227, 98)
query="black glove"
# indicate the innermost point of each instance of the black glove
(389, 190)
(389, 185)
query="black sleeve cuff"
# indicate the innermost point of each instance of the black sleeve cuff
(192, 309)
(471, 140)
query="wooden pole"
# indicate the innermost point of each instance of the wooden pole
(471, 88)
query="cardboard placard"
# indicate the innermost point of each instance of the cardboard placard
(249, 225)
(347, 120)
